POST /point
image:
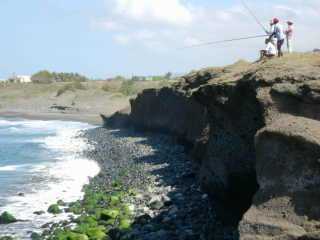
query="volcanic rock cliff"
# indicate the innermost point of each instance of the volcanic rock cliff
(253, 130)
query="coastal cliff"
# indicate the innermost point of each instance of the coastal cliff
(253, 131)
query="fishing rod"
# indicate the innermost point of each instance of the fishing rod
(254, 16)
(223, 41)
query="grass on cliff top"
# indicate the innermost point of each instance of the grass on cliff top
(269, 69)
(131, 88)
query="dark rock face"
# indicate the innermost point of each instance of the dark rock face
(262, 187)
(287, 205)
(235, 117)
(169, 111)
(118, 120)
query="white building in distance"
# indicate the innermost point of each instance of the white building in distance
(20, 79)
(24, 79)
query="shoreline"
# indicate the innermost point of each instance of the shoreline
(93, 119)
(68, 164)
(146, 189)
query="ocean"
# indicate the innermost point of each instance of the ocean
(41, 162)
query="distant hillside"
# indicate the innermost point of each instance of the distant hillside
(75, 100)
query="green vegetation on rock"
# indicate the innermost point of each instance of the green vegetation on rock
(75, 208)
(54, 209)
(35, 236)
(69, 235)
(7, 218)
(61, 203)
(7, 238)
(100, 212)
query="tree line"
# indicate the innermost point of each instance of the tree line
(51, 77)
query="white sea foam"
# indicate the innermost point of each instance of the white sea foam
(9, 168)
(4, 123)
(62, 177)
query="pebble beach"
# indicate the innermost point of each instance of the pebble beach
(168, 194)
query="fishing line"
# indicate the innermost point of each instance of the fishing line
(254, 16)
(223, 41)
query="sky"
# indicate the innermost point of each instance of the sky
(104, 38)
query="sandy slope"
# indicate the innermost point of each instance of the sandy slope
(40, 100)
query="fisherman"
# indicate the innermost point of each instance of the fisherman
(270, 50)
(273, 39)
(279, 34)
(289, 36)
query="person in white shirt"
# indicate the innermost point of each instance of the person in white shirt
(270, 50)
(289, 36)
(279, 34)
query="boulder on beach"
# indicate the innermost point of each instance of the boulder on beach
(54, 209)
(7, 218)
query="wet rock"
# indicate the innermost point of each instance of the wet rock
(54, 209)
(7, 218)
(156, 205)
(35, 236)
(39, 213)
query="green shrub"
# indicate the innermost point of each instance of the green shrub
(128, 88)
(54, 209)
(7, 218)
(43, 77)
(50, 77)
(72, 87)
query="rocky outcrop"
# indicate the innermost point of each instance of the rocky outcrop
(169, 111)
(287, 205)
(253, 132)
(227, 164)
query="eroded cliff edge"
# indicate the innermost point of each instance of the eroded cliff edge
(253, 130)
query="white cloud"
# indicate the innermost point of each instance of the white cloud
(170, 24)
(122, 39)
(111, 25)
(171, 12)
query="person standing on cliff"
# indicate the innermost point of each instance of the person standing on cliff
(273, 39)
(289, 36)
(279, 34)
